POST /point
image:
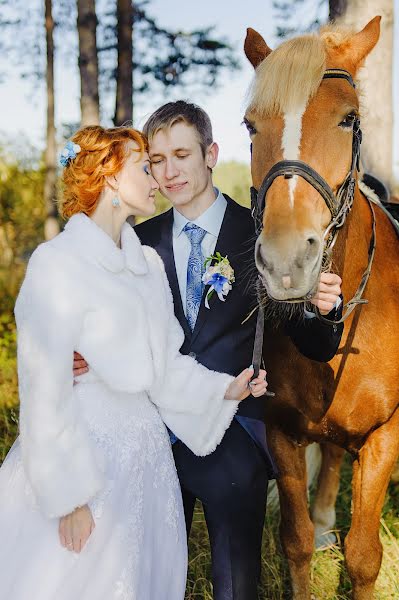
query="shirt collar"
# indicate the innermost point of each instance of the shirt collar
(91, 241)
(210, 220)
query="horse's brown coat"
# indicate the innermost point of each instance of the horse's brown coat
(351, 402)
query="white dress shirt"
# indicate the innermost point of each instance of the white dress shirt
(211, 221)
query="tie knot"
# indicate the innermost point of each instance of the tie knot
(194, 233)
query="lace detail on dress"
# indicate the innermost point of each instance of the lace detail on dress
(132, 442)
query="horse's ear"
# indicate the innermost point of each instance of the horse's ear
(362, 43)
(255, 47)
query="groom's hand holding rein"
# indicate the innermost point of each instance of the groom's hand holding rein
(242, 386)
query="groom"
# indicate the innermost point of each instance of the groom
(231, 482)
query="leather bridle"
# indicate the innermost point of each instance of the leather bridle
(339, 205)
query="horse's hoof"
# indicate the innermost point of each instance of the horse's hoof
(326, 540)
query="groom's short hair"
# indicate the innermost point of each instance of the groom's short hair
(180, 112)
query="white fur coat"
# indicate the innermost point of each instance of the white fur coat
(114, 306)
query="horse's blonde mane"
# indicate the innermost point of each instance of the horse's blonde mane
(288, 78)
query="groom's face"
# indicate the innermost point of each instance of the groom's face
(179, 165)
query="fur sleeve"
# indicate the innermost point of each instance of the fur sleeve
(190, 398)
(56, 451)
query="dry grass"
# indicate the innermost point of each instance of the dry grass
(329, 580)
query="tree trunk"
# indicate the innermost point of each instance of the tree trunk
(337, 9)
(88, 62)
(124, 73)
(377, 89)
(51, 226)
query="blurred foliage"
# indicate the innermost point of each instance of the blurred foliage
(8, 383)
(8, 373)
(22, 211)
(22, 215)
(234, 178)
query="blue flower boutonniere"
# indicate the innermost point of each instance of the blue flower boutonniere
(219, 276)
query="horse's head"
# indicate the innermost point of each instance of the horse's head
(296, 114)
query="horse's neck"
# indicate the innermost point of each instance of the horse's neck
(350, 257)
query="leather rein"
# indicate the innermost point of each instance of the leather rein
(339, 205)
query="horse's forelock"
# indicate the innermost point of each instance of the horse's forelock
(289, 76)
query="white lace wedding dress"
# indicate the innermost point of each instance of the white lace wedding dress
(101, 441)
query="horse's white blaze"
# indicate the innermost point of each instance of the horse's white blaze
(291, 142)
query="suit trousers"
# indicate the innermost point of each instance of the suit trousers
(232, 485)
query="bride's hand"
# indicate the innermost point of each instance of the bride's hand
(75, 529)
(242, 386)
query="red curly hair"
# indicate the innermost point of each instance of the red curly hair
(103, 153)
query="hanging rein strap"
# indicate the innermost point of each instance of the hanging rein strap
(257, 356)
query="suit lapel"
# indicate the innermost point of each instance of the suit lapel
(225, 244)
(165, 250)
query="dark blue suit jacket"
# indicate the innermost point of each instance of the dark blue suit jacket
(220, 340)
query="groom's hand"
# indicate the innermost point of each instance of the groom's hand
(328, 292)
(242, 386)
(80, 366)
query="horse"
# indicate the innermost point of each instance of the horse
(303, 119)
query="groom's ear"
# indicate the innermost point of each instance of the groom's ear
(212, 154)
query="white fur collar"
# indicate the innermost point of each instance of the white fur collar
(94, 243)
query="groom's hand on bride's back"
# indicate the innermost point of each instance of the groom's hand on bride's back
(80, 366)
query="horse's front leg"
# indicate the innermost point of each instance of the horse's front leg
(371, 473)
(296, 528)
(323, 511)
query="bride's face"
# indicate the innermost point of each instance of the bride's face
(136, 185)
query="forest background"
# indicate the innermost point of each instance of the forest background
(71, 62)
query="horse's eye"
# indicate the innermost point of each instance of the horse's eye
(347, 123)
(250, 127)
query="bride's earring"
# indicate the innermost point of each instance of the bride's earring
(115, 202)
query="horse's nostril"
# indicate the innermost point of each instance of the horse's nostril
(313, 245)
(261, 260)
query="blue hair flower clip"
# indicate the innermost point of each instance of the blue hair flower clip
(69, 153)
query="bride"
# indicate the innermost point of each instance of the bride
(90, 505)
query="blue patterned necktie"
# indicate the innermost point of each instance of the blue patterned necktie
(195, 271)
